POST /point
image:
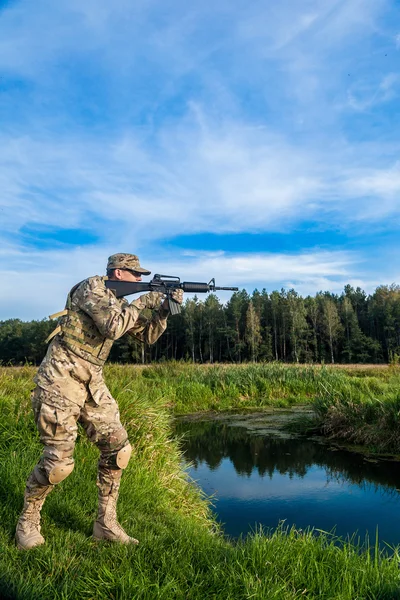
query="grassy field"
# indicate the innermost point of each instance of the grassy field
(182, 554)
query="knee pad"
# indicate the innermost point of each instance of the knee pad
(123, 456)
(60, 472)
(54, 474)
(56, 463)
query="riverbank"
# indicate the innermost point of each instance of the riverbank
(357, 404)
(182, 554)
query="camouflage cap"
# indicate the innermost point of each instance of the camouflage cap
(126, 261)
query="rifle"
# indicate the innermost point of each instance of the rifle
(165, 284)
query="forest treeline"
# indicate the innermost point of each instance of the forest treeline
(352, 327)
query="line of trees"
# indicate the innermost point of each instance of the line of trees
(352, 327)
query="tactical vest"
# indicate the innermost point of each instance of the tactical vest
(80, 334)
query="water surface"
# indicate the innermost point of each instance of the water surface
(257, 474)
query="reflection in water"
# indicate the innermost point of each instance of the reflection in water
(258, 479)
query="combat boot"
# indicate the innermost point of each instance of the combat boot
(106, 527)
(27, 534)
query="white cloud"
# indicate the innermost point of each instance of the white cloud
(35, 283)
(271, 268)
(140, 123)
(379, 190)
(363, 95)
(202, 176)
(383, 183)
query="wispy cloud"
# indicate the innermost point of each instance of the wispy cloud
(366, 94)
(139, 124)
(198, 177)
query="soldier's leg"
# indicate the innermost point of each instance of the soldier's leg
(103, 427)
(57, 430)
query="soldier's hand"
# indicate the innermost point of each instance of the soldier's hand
(151, 300)
(177, 295)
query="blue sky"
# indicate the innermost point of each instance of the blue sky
(257, 143)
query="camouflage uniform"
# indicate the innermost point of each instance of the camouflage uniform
(70, 388)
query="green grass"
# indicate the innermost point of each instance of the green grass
(181, 555)
(364, 412)
(191, 388)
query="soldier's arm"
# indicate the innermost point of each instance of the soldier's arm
(113, 317)
(149, 330)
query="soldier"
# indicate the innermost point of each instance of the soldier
(70, 388)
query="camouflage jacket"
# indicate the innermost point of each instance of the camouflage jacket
(70, 376)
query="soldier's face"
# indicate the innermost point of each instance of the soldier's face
(125, 275)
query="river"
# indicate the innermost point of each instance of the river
(258, 474)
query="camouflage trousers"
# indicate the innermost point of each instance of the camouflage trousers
(58, 429)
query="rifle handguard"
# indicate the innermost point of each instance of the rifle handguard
(194, 287)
